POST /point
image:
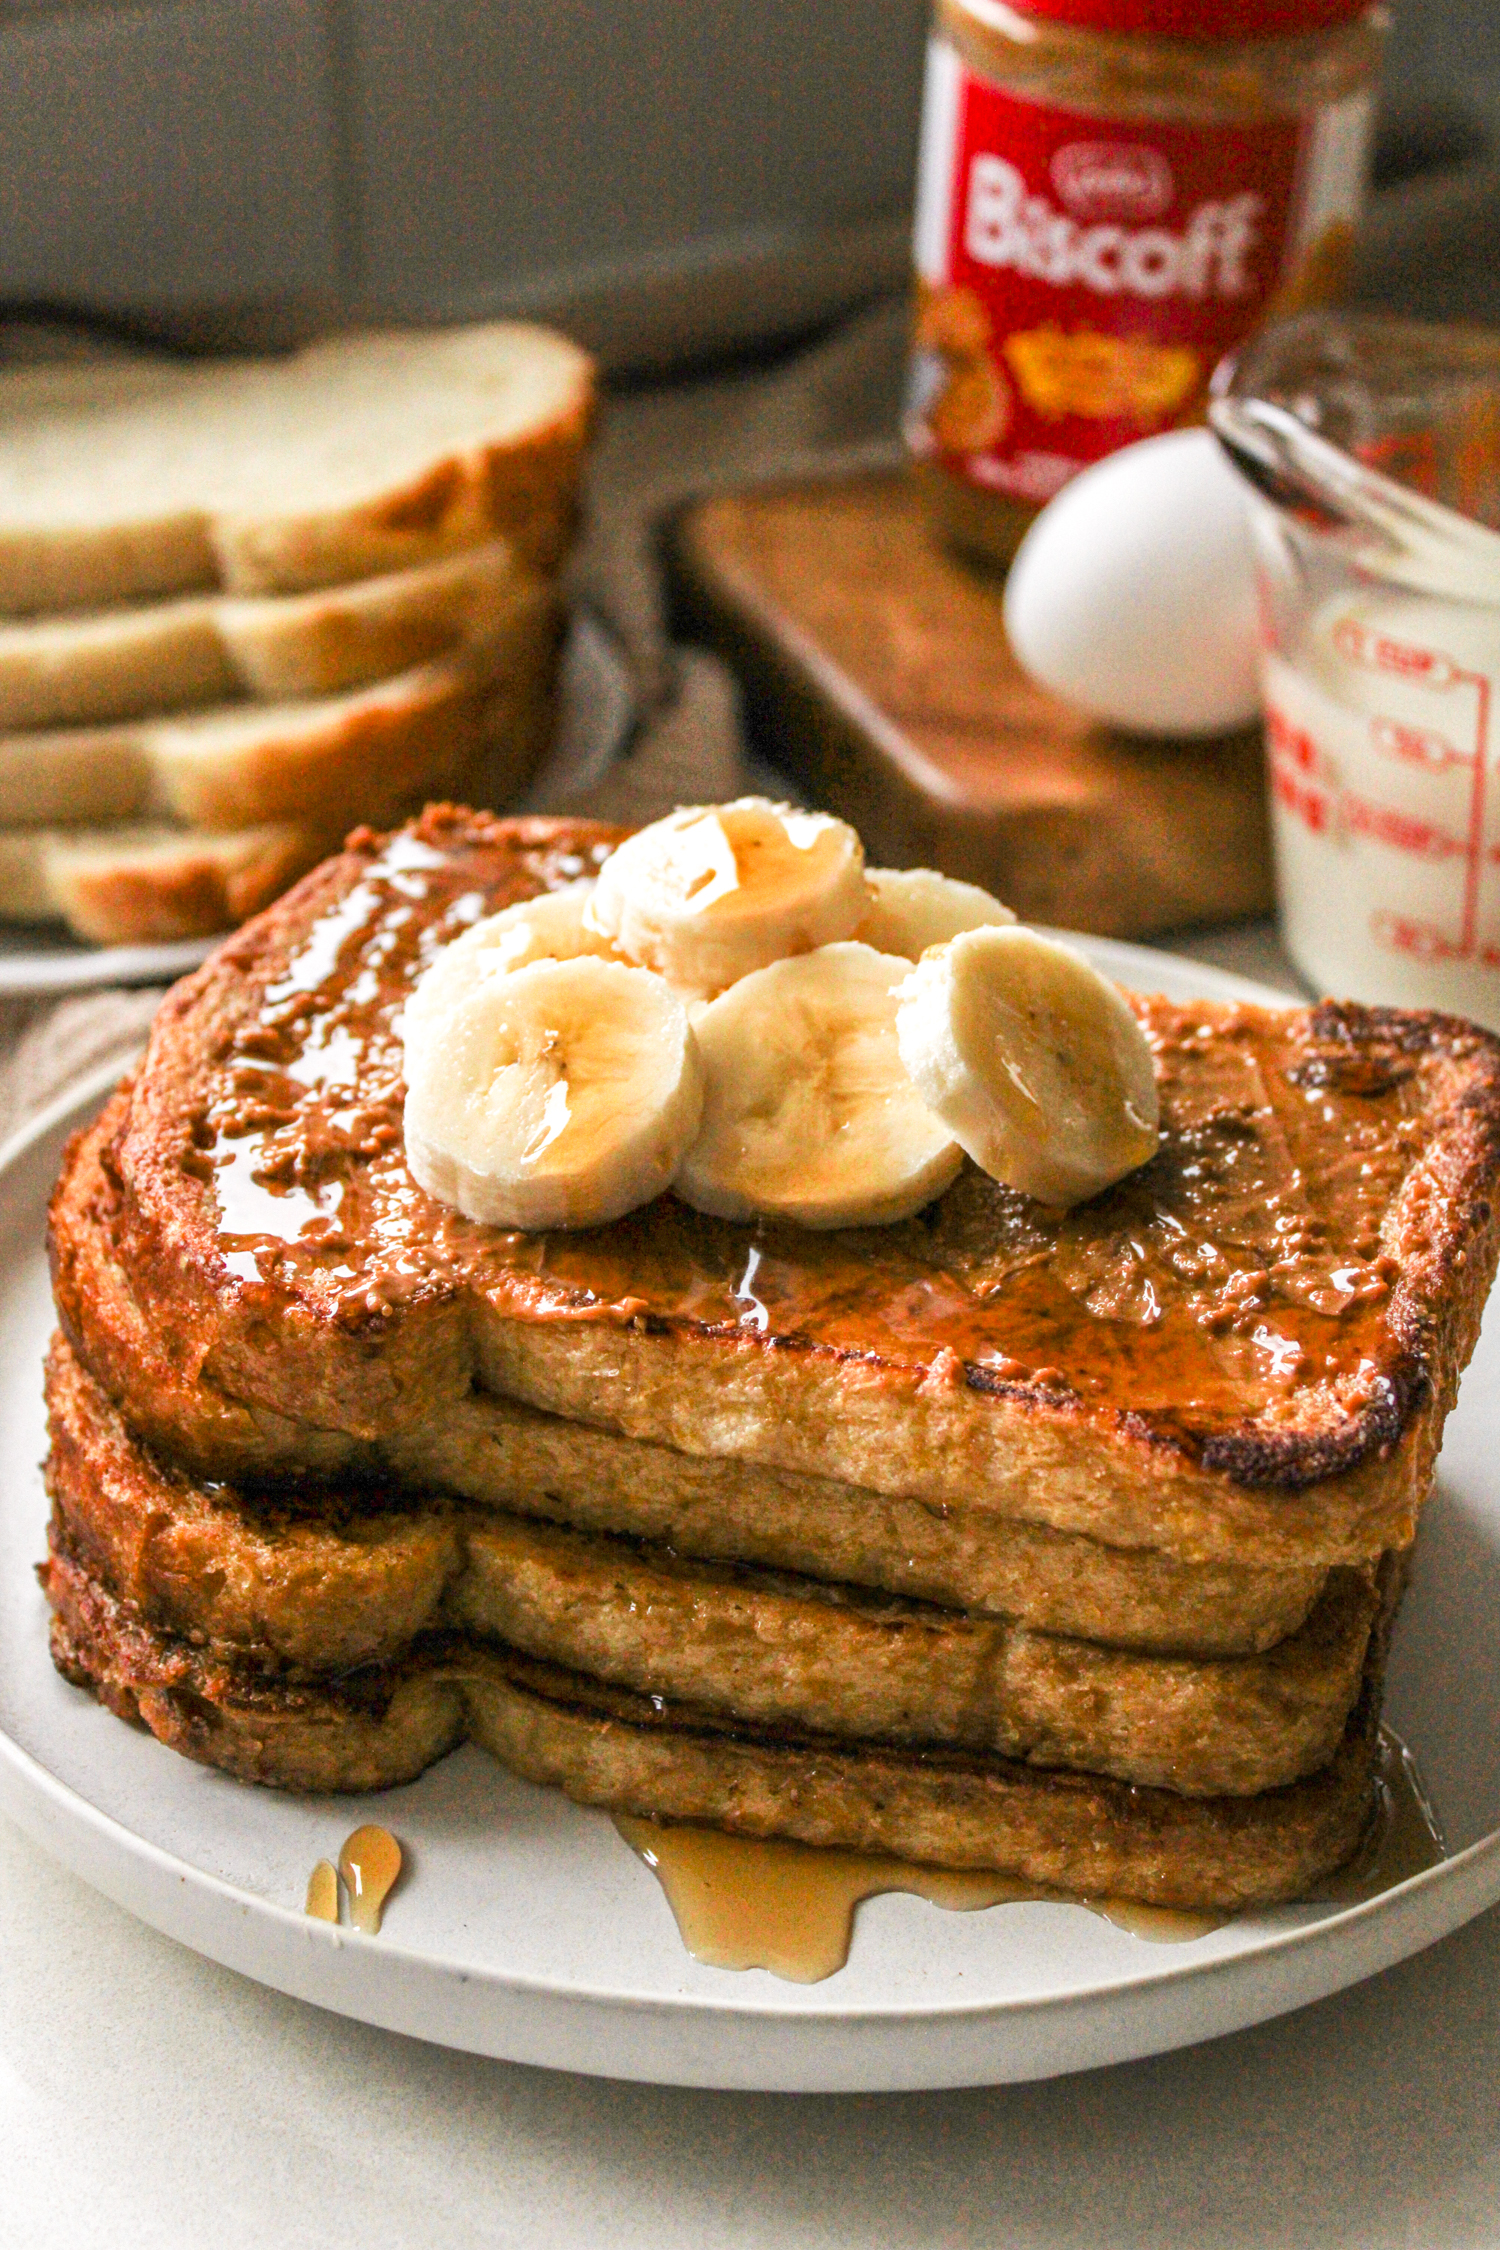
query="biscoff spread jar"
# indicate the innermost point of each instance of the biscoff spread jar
(1111, 195)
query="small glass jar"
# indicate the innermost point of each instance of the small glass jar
(1112, 194)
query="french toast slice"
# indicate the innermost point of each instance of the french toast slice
(309, 1589)
(639, 1754)
(717, 1507)
(1243, 1354)
(499, 1453)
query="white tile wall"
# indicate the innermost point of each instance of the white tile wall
(167, 154)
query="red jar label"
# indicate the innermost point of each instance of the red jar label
(1079, 278)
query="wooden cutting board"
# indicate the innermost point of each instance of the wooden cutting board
(876, 673)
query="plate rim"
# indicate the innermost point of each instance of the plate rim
(1467, 1879)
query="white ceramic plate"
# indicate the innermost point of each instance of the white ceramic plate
(526, 1929)
(594, 720)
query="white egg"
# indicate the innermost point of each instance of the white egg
(1133, 593)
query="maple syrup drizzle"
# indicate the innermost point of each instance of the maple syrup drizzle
(750, 1902)
(1404, 1837)
(323, 1892)
(747, 1902)
(369, 1862)
(1243, 1263)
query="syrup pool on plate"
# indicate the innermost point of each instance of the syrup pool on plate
(748, 1902)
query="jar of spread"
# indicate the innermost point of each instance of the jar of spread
(1111, 195)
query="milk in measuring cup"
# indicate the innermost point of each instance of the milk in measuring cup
(1381, 736)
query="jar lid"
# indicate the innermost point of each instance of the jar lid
(1200, 19)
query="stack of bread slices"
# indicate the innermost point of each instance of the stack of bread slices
(247, 605)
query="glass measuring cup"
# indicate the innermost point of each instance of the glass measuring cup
(1372, 451)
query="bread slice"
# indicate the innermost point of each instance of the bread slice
(498, 1453)
(366, 754)
(315, 1584)
(645, 1755)
(1243, 1353)
(360, 455)
(78, 670)
(145, 884)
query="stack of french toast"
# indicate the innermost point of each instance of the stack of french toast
(244, 604)
(1052, 1533)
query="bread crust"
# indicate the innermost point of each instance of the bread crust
(203, 885)
(314, 1587)
(246, 1365)
(517, 478)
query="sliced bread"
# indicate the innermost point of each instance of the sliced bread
(359, 455)
(365, 755)
(141, 884)
(98, 665)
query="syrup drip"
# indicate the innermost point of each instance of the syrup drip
(750, 1902)
(745, 1902)
(323, 1892)
(1404, 1837)
(369, 1862)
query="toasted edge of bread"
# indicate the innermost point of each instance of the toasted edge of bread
(146, 884)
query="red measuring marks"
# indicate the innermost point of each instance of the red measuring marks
(1308, 781)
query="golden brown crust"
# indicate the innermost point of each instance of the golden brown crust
(205, 885)
(606, 1746)
(279, 1367)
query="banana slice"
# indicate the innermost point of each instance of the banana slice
(910, 908)
(808, 1114)
(1032, 1060)
(561, 1094)
(549, 928)
(715, 891)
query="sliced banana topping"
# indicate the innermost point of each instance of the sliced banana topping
(549, 928)
(808, 1113)
(714, 892)
(1033, 1062)
(910, 908)
(560, 1094)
